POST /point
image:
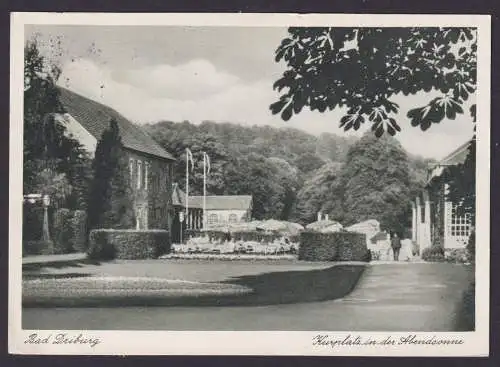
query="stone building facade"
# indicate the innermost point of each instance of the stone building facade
(150, 166)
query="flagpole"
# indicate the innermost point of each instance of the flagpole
(204, 190)
(187, 187)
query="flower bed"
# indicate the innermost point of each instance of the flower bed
(227, 257)
(69, 291)
(206, 245)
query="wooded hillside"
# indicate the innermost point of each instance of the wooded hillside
(290, 173)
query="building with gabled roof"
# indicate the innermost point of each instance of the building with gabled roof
(435, 219)
(150, 166)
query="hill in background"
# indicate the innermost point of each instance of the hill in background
(290, 173)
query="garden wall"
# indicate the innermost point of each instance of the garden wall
(335, 246)
(109, 244)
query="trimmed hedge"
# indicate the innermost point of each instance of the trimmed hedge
(335, 246)
(109, 244)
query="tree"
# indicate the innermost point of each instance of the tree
(375, 180)
(255, 175)
(286, 175)
(308, 162)
(110, 191)
(362, 69)
(320, 192)
(48, 149)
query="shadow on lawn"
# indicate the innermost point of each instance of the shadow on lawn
(296, 286)
(268, 289)
(34, 267)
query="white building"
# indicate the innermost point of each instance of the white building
(435, 220)
(225, 209)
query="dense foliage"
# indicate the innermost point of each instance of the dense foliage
(54, 162)
(362, 69)
(109, 204)
(375, 183)
(269, 163)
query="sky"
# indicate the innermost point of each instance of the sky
(221, 74)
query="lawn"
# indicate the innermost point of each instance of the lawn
(187, 283)
(427, 297)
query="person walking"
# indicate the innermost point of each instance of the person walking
(396, 246)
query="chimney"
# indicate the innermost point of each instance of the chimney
(319, 216)
(326, 216)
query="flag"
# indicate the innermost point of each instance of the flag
(207, 162)
(189, 156)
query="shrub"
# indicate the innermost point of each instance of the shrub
(433, 253)
(335, 246)
(79, 224)
(108, 244)
(368, 256)
(63, 231)
(37, 247)
(459, 256)
(415, 248)
(471, 247)
(375, 255)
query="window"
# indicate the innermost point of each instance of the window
(131, 168)
(460, 224)
(146, 175)
(233, 218)
(139, 174)
(212, 219)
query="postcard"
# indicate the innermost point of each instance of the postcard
(249, 184)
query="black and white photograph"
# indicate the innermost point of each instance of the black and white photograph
(321, 182)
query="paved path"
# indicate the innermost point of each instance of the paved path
(389, 297)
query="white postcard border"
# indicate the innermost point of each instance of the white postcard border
(250, 343)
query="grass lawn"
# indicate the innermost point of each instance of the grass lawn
(294, 296)
(219, 283)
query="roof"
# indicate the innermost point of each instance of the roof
(457, 156)
(223, 202)
(95, 118)
(179, 198)
(454, 158)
